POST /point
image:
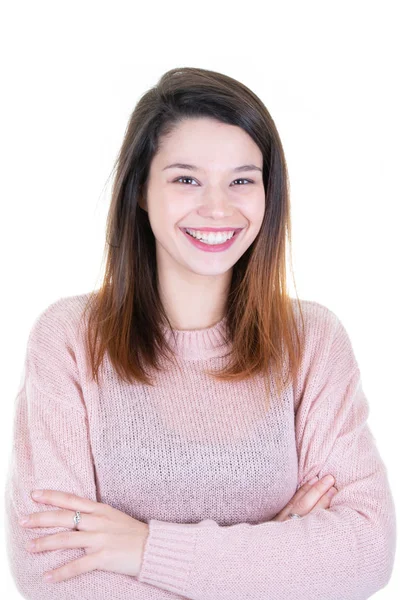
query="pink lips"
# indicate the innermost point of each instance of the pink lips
(211, 247)
(214, 229)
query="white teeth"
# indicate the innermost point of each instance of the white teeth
(211, 238)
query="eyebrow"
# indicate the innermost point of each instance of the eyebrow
(250, 167)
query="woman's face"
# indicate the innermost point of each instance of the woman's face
(214, 193)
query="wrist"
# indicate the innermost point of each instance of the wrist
(144, 536)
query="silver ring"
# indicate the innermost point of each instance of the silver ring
(77, 519)
(294, 516)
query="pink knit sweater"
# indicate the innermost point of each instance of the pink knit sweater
(206, 466)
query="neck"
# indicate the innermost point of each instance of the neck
(193, 301)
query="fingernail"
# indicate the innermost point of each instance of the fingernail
(36, 493)
(328, 479)
(331, 492)
(313, 480)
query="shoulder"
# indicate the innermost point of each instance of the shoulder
(53, 352)
(327, 344)
(320, 321)
(325, 335)
(59, 320)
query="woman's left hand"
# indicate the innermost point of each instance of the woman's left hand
(113, 540)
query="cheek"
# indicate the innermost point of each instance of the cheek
(254, 211)
(165, 225)
(169, 208)
(257, 214)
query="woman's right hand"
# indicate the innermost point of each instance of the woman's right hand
(307, 498)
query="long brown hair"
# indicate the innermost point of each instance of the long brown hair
(126, 313)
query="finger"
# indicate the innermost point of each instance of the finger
(76, 567)
(331, 493)
(304, 489)
(64, 518)
(66, 539)
(312, 499)
(282, 515)
(66, 500)
(313, 494)
(325, 501)
(305, 498)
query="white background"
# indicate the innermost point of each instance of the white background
(71, 74)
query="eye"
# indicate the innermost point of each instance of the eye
(191, 178)
(183, 177)
(248, 180)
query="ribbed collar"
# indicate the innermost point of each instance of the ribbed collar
(198, 344)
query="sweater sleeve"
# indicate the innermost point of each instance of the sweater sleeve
(51, 450)
(344, 552)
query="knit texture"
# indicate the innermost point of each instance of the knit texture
(206, 465)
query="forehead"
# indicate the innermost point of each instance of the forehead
(205, 141)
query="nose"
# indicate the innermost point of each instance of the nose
(215, 205)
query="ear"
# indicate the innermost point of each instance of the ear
(142, 201)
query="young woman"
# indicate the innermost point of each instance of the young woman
(182, 418)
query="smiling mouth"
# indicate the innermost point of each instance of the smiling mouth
(208, 232)
(211, 245)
